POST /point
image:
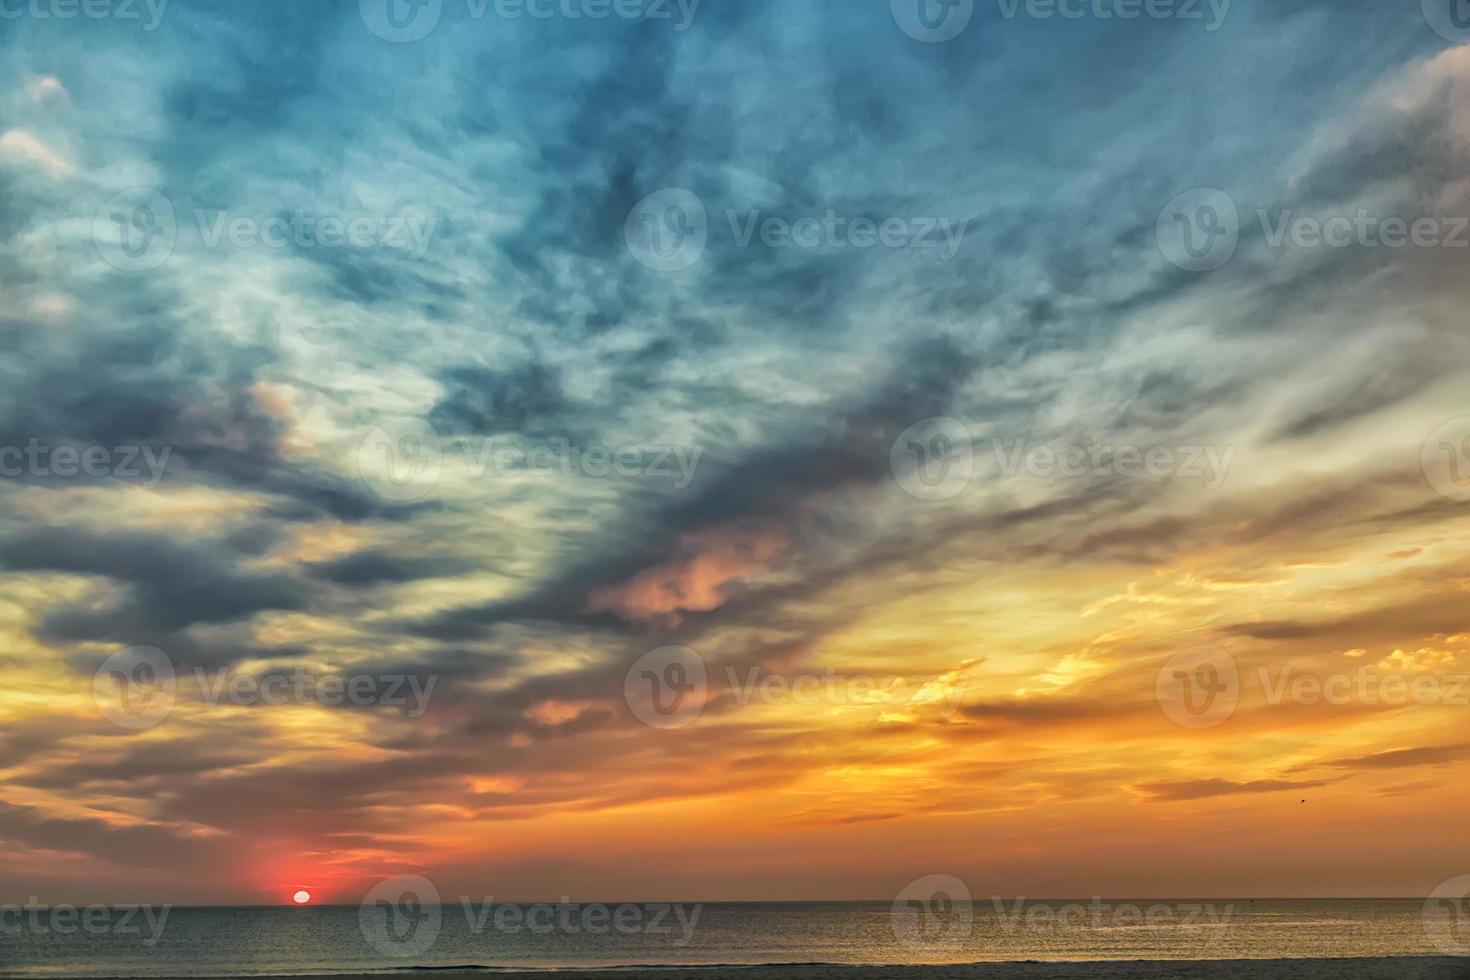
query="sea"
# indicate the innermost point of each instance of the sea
(384, 938)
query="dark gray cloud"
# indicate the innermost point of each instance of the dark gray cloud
(488, 401)
(764, 489)
(1427, 616)
(165, 587)
(169, 407)
(378, 567)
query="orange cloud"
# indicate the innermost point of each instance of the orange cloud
(695, 582)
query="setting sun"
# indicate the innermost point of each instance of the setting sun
(301, 897)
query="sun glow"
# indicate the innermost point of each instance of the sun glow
(301, 897)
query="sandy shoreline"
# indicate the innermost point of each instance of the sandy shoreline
(1397, 968)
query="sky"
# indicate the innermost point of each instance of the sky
(751, 450)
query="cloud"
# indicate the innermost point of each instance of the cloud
(764, 493)
(1199, 789)
(168, 586)
(792, 371)
(696, 582)
(1429, 755)
(19, 145)
(40, 88)
(1037, 713)
(378, 567)
(481, 401)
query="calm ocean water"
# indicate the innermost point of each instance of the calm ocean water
(325, 940)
